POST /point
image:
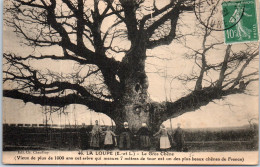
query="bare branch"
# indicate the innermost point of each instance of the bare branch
(92, 103)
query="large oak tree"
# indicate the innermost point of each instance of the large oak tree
(120, 88)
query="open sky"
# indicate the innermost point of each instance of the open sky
(234, 110)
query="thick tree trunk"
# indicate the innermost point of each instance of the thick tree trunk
(134, 106)
(134, 101)
(136, 113)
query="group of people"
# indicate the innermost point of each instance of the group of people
(177, 141)
(144, 136)
(95, 137)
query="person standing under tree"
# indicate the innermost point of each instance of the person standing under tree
(109, 135)
(144, 136)
(95, 136)
(164, 138)
(179, 138)
(125, 137)
(83, 137)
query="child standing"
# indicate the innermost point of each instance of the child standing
(164, 139)
(109, 135)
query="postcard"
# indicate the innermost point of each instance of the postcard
(130, 82)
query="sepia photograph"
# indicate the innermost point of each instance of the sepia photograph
(132, 82)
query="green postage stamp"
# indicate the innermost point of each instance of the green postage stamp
(240, 21)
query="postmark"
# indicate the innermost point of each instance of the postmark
(245, 29)
(210, 14)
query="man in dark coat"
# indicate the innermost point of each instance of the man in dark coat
(83, 137)
(179, 138)
(125, 137)
(144, 137)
